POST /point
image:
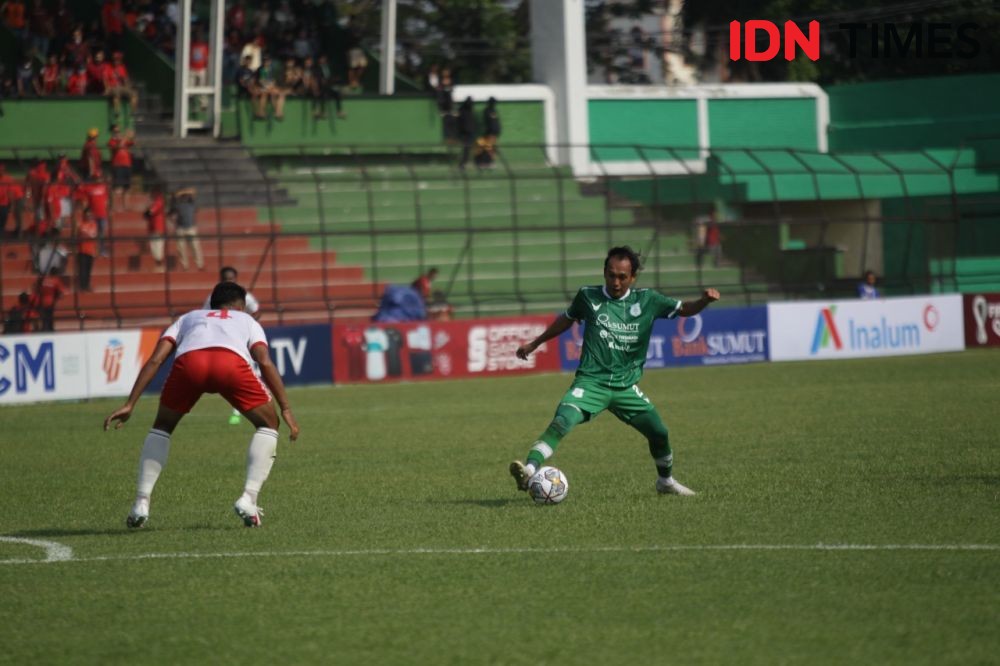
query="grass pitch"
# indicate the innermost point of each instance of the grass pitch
(394, 535)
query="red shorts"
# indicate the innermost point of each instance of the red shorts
(212, 370)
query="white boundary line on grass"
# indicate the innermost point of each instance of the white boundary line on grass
(56, 552)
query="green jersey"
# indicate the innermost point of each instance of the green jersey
(616, 334)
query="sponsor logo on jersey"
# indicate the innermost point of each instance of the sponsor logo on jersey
(596, 306)
(606, 322)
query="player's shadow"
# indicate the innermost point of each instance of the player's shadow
(54, 532)
(484, 503)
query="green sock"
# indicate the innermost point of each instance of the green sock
(656, 434)
(566, 418)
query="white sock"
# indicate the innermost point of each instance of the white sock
(151, 462)
(260, 458)
(529, 469)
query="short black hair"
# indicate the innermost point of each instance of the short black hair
(624, 252)
(227, 293)
(226, 269)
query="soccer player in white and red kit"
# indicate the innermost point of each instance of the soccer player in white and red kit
(214, 351)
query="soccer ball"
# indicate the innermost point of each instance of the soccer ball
(548, 486)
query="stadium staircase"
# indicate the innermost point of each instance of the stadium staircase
(284, 267)
(503, 244)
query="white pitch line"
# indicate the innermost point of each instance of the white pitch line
(61, 553)
(54, 552)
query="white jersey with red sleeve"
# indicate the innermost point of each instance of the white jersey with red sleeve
(220, 329)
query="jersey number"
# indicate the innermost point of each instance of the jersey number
(220, 314)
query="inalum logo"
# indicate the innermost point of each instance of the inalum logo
(826, 331)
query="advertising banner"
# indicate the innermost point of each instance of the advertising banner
(375, 352)
(114, 359)
(713, 337)
(35, 368)
(302, 354)
(858, 329)
(982, 320)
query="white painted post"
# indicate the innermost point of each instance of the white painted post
(181, 64)
(387, 68)
(559, 59)
(217, 27)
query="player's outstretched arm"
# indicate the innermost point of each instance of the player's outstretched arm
(691, 308)
(160, 354)
(273, 380)
(559, 325)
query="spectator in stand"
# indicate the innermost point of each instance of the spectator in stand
(96, 74)
(867, 291)
(309, 86)
(446, 107)
(47, 250)
(63, 24)
(198, 65)
(6, 183)
(491, 128)
(254, 49)
(59, 204)
(291, 78)
(246, 82)
(86, 250)
(36, 182)
(466, 130)
(93, 197)
(14, 17)
(113, 24)
(357, 62)
(121, 163)
(77, 82)
(90, 155)
(236, 17)
(118, 84)
(156, 217)
(48, 290)
(183, 213)
(11, 200)
(269, 90)
(28, 84)
(41, 28)
(423, 283)
(711, 243)
(52, 77)
(22, 318)
(77, 51)
(326, 83)
(433, 80)
(302, 47)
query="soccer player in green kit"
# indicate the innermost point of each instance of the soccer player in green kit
(619, 321)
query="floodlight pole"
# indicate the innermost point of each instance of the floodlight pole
(387, 68)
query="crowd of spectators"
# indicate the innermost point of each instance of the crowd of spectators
(64, 209)
(59, 55)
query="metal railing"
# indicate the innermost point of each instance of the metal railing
(331, 227)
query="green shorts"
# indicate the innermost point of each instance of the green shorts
(592, 398)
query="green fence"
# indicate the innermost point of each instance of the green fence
(521, 235)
